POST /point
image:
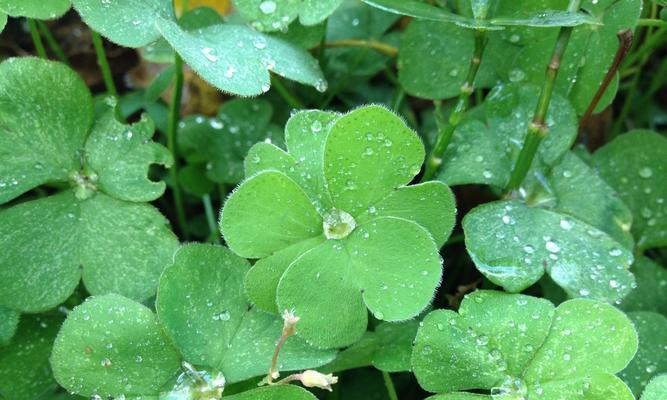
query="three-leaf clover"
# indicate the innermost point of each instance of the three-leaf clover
(334, 226)
(521, 347)
(98, 229)
(113, 346)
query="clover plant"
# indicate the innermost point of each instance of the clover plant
(334, 199)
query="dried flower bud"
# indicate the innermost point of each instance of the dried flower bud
(312, 378)
(289, 323)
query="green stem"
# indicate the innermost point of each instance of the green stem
(172, 145)
(103, 62)
(389, 384)
(53, 44)
(538, 129)
(652, 22)
(380, 47)
(285, 94)
(446, 129)
(36, 38)
(210, 217)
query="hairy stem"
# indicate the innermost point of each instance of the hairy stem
(103, 62)
(624, 44)
(53, 43)
(538, 129)
(389, 384)
(172, 144)
(210, 218)
(446, 128)
(36, 39)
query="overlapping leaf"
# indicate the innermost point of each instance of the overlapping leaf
(223, 141)
(520, 346)
(233, 58)
(651, 357)
(48, 244)
(25, 373)
(656, 389)
(334, 211)
(113, 346)
(485, 152)
(202, 306)
(634, 165)
(273, 15)
(651, 291)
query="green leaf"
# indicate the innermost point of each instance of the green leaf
(394, 345)
(34, 9)
(513, 244)
(650, 293)
(194, 181)
(486, 152)
(281, 392)
(121, 155)
(367, 141)
(3, 21)
(633, 164)
(656, 389)
(130, 23)
(395, 282)
(580, 192)
(266, 213)
(517, 345)
(223, 141)
(341, 185)
(45, 113)
(116, 246)
(651, 358)
(546, 18)
(9, 320)
(237, 59)
(113, 346)
(358, 355)
(203, 309)
(272, 15)
(422, 10)
(25, 373)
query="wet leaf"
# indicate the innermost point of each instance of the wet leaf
(203, 309)
(651, 358)
(394, 345)
(273, 15)
(113, 346)
(656, 389)
(34, 9)
(516, 345)
(9, 320)
(513, 245)
(25, 373)
(651, 291)
(633, 164)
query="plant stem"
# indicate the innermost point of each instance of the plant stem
(538, 129)
(652, 22)
(53, 43)
(624, 44)
(380, 47)
(172, 145)
(389, 384)
(285, 94)
(210, 217)
(446, 129)
(36, 39)
(103, 62)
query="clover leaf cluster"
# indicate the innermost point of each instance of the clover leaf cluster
(332, 218)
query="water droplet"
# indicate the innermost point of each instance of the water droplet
(229, 73)
(646, 172)
(552, 247)
(615, 252)
(567, 357)
(529, 249)
(316, 126)
(106, 363)
(216, 123)
(321, 85)
(208, 53)
(379, 315)
(516, 75)
(584, 292)
(268, 7)
(614, 283)
(565, 224)
(259, 42)
(487, 174)
(515, 38)
(338, 224)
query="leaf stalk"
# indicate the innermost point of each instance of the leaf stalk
(36, 39)
(538, 129)
(103, 62)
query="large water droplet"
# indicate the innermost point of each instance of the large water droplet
(268, 7)
(338, 224)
